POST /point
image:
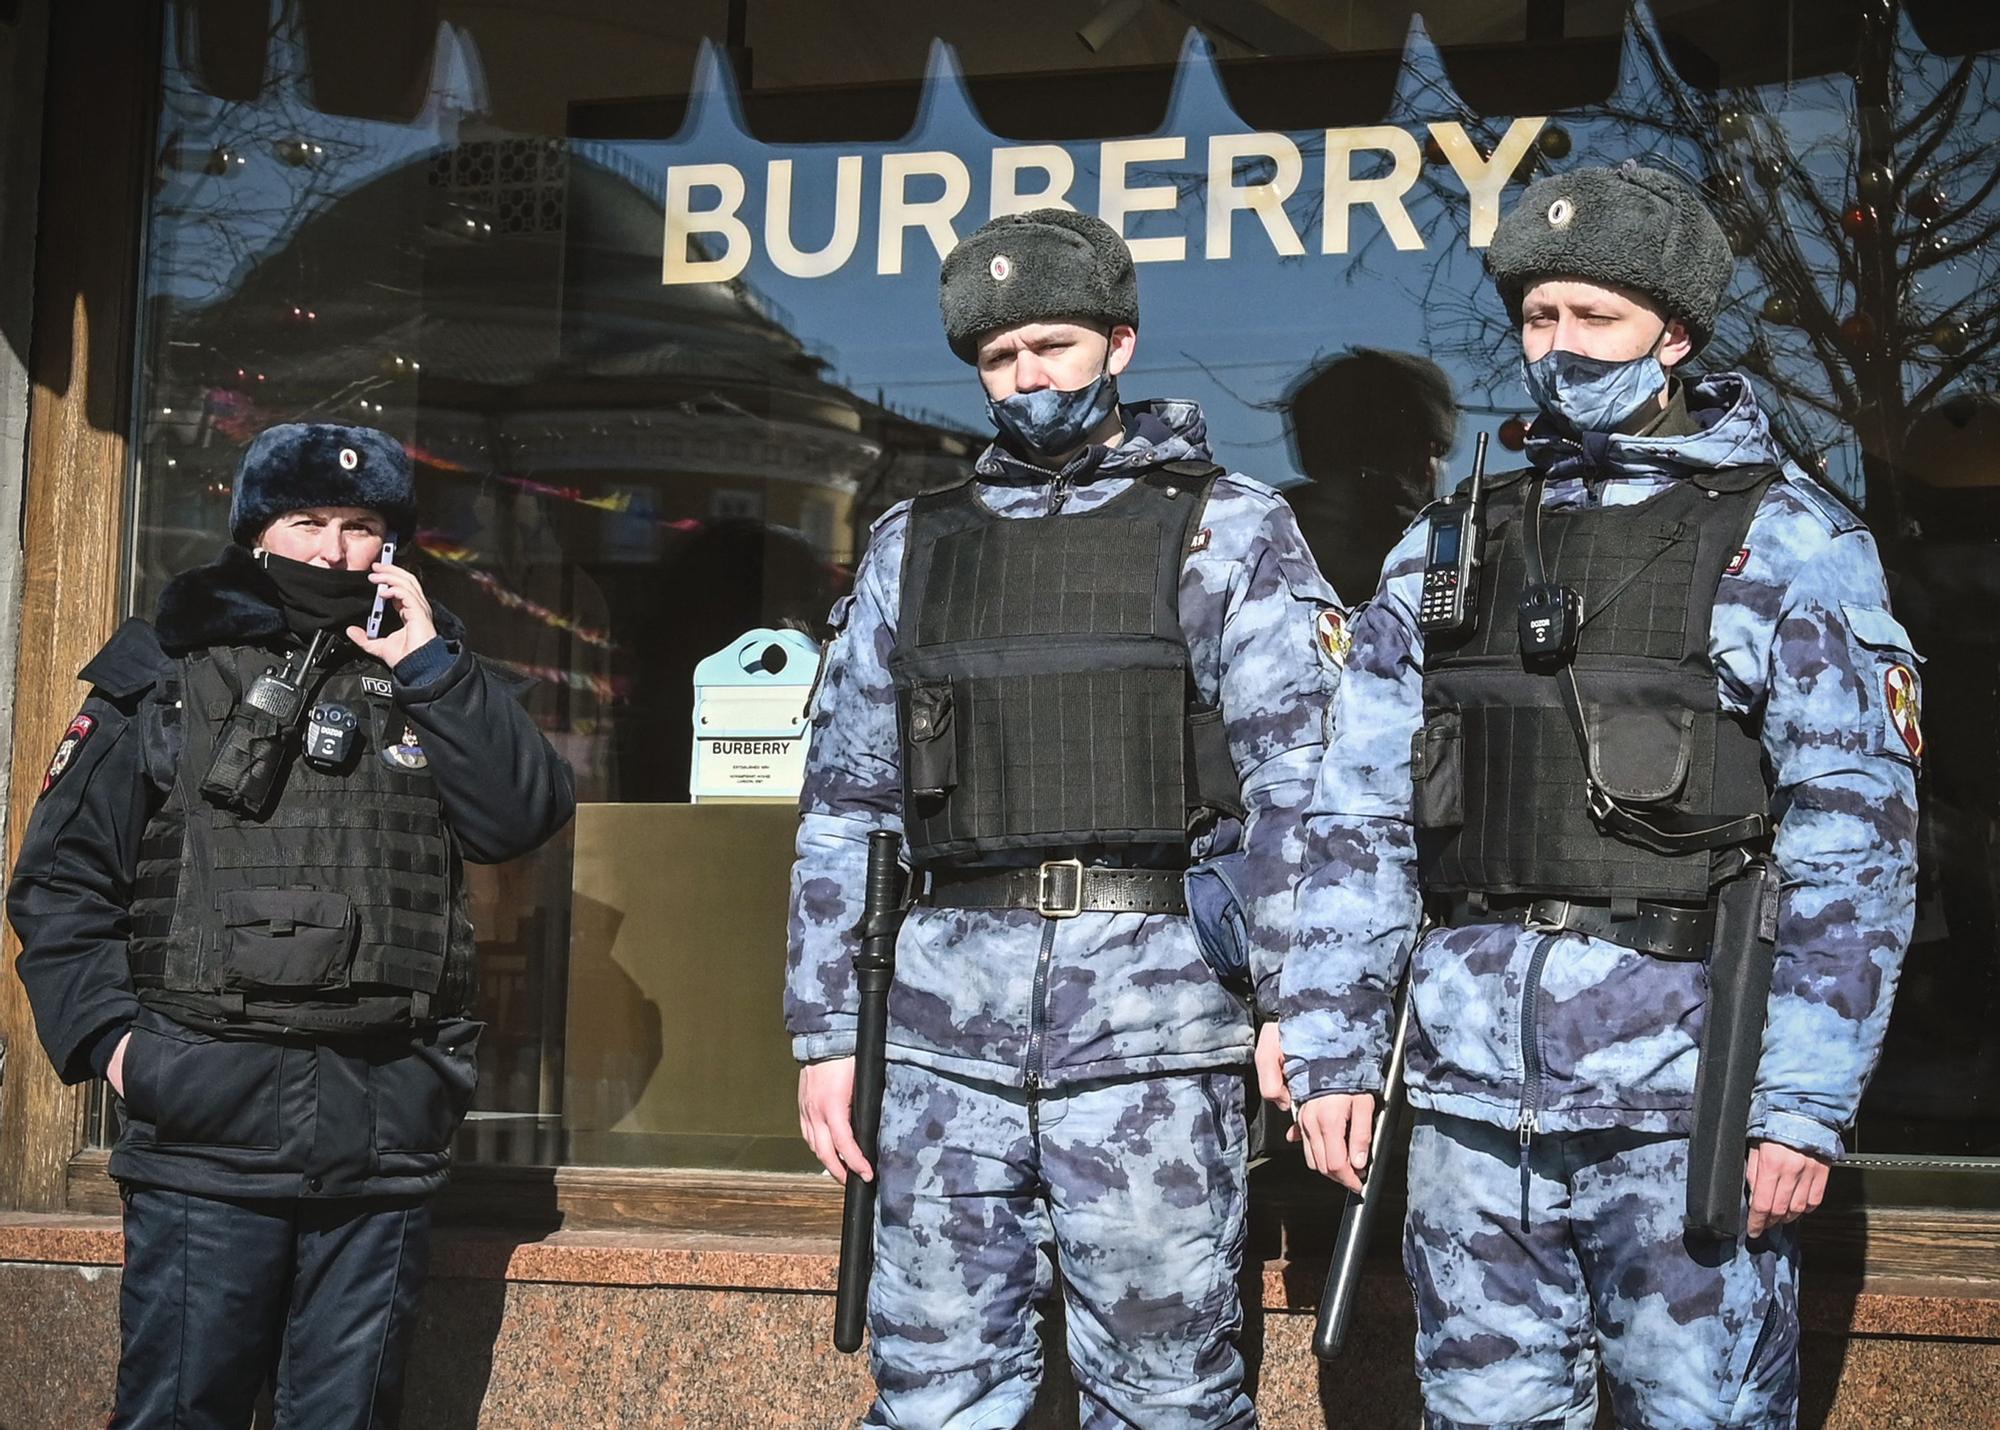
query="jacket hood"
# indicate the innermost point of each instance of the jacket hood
(233, 601)
(1732, 432)
(1156, 432)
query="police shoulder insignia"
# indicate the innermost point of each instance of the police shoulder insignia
(1331, 634)
(1200, 541)
(72, 741)
(1737, 562)
(1905, 704)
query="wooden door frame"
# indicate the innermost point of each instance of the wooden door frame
(96, 170)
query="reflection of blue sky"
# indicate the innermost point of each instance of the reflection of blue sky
(210, 229)
(1233, 334)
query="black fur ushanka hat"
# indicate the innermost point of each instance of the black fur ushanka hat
(1042, 266)
(1635, 227)
(306, 464)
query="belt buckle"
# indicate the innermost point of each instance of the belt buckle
(1548, 916)
(1059, 911)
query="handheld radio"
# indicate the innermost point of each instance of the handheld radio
(388, 558)
(1451, 562)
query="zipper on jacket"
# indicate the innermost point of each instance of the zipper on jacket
(1531, 1048)
(1058, 494)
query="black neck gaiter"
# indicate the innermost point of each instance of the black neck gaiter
(319, 597)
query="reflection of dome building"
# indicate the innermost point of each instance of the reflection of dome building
(625, 474)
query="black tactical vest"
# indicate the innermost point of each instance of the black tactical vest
(1043, 689)
(343, 910)
(1501, 799)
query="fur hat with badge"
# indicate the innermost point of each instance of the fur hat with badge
(307, 464)
(1044, 266)
(1631, 226)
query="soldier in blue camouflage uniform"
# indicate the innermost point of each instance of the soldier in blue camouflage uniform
(1070, 1083)
(1553, 1072)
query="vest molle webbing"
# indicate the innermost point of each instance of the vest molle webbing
(1501, 800)
(1043, 688)
(342, 910)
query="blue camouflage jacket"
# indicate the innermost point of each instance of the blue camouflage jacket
(1597, 1035)
(1007, 995)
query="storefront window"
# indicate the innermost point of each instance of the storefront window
(649, 292)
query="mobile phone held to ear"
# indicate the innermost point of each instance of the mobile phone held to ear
(381, 606)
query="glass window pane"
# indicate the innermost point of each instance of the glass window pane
(653, 304)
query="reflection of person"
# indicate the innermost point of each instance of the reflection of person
(1370, 429)
(263, 945)
(1027, 662)
(711, 585)
(1741, 683)
(1948, 1019)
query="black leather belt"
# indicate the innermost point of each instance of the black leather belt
(1663, 930)
(1060, 889)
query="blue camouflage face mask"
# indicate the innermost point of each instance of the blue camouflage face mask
(1047, 422)
(1593, 394)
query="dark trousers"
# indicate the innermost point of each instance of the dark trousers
(220, 1295)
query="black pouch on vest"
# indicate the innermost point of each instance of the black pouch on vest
(1641, 755)
(249, 753)
(933, 759)
(285, 939)
(1437, 772)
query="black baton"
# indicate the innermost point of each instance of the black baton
(1343, 1275)
(1732, 1045)
(882, 912)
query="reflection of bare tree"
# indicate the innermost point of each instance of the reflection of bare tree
(1862, 206)
(237, 176)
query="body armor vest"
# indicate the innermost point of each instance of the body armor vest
(342, 910)
(1043, 690)
(1502, 794)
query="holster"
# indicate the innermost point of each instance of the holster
(1732, 1045)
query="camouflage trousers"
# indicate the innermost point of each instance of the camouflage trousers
(1135, 1188)
(1530, 1265)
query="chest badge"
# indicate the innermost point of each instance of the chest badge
(376, 685)
(406, 754)
(72, 741)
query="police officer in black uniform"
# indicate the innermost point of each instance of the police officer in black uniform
(241, 900)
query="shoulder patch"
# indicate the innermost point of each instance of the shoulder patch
(1903, 694)
(79, 730)
(1333, 637)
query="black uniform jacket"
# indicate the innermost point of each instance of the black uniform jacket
(253, 1116)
